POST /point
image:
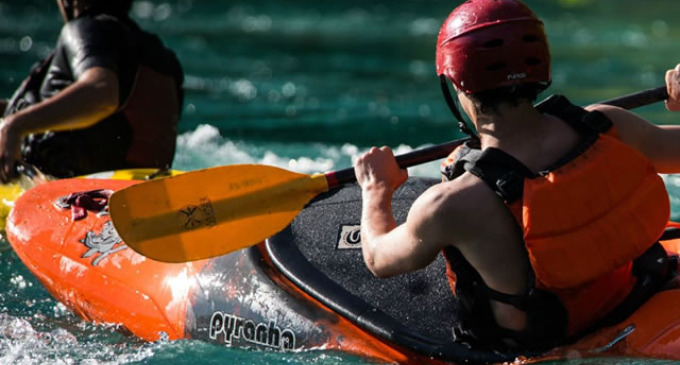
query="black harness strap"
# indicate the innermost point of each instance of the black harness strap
(505, 174)
(502, 172)
(580, 119)
(546, 320)
(464, 158)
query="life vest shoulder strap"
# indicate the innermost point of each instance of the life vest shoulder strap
(583, 121)
(461, 159)
(504, 173)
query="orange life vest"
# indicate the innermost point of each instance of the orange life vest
(593, 215)
(585, 223)
(583, 220)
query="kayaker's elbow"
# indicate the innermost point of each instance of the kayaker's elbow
(380, 274)
(377, 270)
(376, 258)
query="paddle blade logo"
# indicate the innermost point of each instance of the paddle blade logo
(349, 237)
(195, 216)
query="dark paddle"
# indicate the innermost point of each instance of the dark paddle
(215, 211)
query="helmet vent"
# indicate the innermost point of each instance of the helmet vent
(530, 38)
(496, 66)
(533, 61)
(493, 43)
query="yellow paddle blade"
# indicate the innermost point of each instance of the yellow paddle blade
(9, 193)
(210, 212)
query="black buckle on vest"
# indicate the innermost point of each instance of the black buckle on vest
(510, 186)
(597, 121)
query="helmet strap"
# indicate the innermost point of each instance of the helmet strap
(68, 9)
(454, 108)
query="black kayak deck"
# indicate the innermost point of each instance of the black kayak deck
(319, 252)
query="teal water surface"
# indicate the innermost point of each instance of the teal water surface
(308, 85)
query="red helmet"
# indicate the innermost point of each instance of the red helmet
(486, 44)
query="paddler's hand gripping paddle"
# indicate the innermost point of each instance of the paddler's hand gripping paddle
(212, 212)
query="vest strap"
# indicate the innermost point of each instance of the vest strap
(505, 174)
(502, 172)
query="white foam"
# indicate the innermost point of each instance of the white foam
(206, 147)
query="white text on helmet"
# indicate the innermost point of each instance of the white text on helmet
(517, 76)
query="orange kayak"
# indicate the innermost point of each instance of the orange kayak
(304, 288)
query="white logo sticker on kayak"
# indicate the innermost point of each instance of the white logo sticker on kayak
(102, 243)
(349, 237)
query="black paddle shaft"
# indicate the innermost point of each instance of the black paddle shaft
(630, 101)
(638, 99)
(427, 154)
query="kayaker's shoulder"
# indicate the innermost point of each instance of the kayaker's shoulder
(629, 126)
(454, 197)
(616, 114)
(606, 109)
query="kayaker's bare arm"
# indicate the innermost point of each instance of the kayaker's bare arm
(390, 249)
(454, 213)
(658, 142)
(93, 97)
(673, 88)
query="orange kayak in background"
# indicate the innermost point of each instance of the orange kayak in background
(304, 288)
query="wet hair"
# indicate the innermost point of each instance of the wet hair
(488, 101)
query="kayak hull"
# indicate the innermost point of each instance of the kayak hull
(232, 300)
(278, 295)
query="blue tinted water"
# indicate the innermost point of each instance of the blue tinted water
(308, 85)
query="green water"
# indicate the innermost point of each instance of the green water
(308, 85)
